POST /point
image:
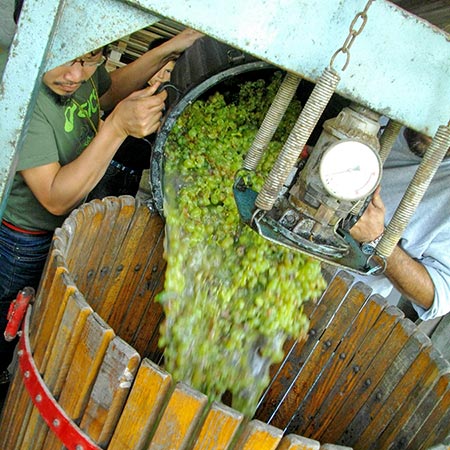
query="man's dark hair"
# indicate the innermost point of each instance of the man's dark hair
(157, 42)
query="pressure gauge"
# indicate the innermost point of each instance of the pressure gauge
(350, 170)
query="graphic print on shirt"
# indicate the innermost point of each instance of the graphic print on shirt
(83, 110)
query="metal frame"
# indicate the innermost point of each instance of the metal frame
(399, 65)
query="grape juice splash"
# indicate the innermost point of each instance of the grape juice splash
(231, 298)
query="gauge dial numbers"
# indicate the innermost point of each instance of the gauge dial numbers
(350, 170)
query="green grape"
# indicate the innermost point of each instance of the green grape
(231, 298)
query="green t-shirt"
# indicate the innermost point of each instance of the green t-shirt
(56, 133)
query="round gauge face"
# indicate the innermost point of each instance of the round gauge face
(350, 170)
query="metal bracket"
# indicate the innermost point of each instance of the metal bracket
(54, 416)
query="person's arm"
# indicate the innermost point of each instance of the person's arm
(133, 76)
(60, 188)
(408, 275)
(410, 278)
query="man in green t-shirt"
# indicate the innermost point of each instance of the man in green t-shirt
(67, 150)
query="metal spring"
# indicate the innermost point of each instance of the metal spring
(313, 109)
(273, 118)
(388, 138)
(415, 191)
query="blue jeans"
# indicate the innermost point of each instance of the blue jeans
(22, 260)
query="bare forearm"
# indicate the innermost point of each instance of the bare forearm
(134, 75)
(410, 278)
(75, 180)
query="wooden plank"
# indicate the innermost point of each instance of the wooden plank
(110, 298)
(219, 428)
(91, 347)
(86, 220)
(380, 380)
(100, 219)
(421, 374)
(334, 447)
(143, 327)
(16, 412)
(20, 405)
(135, 293)
(293, 442)
(180, 419)
(390, 327)
(277, 392)
(290, 413)
(258, 435)
(116, 223)
(151, 348)
(63, 237)
(69, 334)
(60, 355)
(340, 341)
(364, 339)
(436, 428)
(415, 409)
(87, 359)
(147, 397)
(110, 391)
(42, 305)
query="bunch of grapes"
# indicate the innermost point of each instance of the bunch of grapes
(231, 298)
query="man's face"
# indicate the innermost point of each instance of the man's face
(64, 80)
(163, 75)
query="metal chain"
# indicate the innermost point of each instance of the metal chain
(345, 49)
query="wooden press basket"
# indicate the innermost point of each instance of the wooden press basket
(365, 377)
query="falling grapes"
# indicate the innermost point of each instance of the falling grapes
(231, 298)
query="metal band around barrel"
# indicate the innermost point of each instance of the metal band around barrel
(54, 416)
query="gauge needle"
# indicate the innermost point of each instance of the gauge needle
(352, 169)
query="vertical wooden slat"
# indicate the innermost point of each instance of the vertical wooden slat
(20, 404)
(125, 316)
(88, 218)
(414, 410)
(151, 348)
(219, 428)
(141, 326)
(115, 225)
(356, 352)
(16, 412)
(123, 272)
(60, 355)
(180, 419)
(101, 216)
(259, 436)
(44, 336)
(85, 365)
(380, 380)
(293, 442)
(419, 375)
(45, 311)
(147, 396)
(436, 428)
(368, 375)
(277, 392)
(109, 392)
(88, 356)
(316, 376)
